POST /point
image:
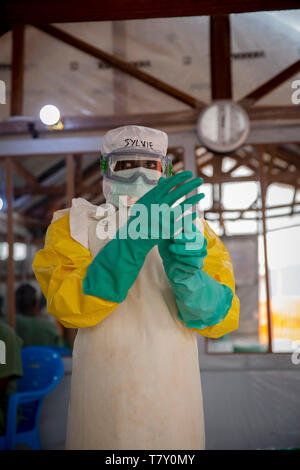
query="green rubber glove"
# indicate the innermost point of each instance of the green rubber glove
(116, 267)
(201, 300)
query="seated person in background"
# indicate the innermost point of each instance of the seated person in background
(10, 367)
(30, 325)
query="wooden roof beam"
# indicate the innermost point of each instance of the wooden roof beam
(17, 71)
(60, 11)
(39, 190)
(90, 191)
(252, 209)
(287, 155)
(121, 65)
(220, 58)
(25, 174)
(270, 85)
(241, 161)
(4, 29)
(57, 198)
(285, 177)
(270, 114)
(246, 161)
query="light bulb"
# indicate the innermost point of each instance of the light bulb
(49, 115)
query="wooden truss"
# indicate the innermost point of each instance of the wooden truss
(273, 162)
(59, 11)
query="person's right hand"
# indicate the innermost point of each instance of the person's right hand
(157, 203)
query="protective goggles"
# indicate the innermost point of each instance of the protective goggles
(128, 166)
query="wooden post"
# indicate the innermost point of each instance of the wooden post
(220, 57)
(78, 173)
(70, 333)
(119, 78)
(263, 210)
(70, 179)
(17, 73)
(10, 240)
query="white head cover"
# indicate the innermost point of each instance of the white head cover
(135, 138)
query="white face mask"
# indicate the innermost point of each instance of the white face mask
(114, 191)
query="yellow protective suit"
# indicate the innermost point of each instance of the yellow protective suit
(135, 381)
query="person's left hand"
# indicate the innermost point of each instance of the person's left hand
(184, 254)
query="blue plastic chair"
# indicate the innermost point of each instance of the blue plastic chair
(42, 371)
(62, 350)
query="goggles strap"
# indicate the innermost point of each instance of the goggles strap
(104, 164)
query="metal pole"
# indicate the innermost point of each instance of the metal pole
(263, 210)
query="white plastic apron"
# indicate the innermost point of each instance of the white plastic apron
(135, 380)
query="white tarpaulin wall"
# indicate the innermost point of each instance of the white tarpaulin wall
(250, 402)
(175, 50)
(251, 409)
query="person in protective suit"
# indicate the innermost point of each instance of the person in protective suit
(138, 301)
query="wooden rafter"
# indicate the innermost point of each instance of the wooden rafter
(220, 58)
(4, 29)
(204, 160)
(121, 65)
(78, 171)
(90, 192)
(287, 155)
(70, 179)
(251, 209)
(274, 113)
(246, 161)
(283, 176)
(272, 166)
(256, 217)
(201, 174)
(56, 199)
(17, 74)
(39, 190)
(60, 11)
(93, 190)
(120, 82)
(90, 186)
(270, 85)
(241, 161)
(20, 221)
(270, 114)
(55, 194)
(25, 174)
